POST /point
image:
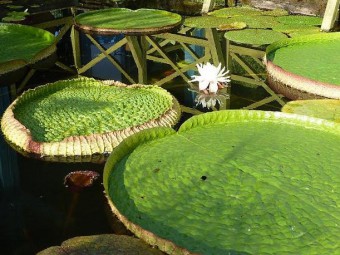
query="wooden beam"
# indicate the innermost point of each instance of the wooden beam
(331, 14)
(207, 6)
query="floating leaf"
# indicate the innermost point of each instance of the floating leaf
(296, 69)
(15, 16)
(102, 244)
(205, 22)
(236, 11)
(15, 6)
(253, 182)
(300, 20)
(121, 21)
(78, 180)
(232, 26)
(328, 109)
(254, 36)
(84, 119)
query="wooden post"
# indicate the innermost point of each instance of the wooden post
(207, 6)
(331, 14)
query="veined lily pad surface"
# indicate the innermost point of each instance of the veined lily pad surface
(231, 182)
(22, 45)
(328, 109)
(246, 12)
(121, 20)
(305, 67)
(214, 22)
(256, 37)
(84, 119)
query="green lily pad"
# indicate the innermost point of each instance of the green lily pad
(14, 7)
(303, 32)
(231, 182)
(245, 11)
(22, 45)
(300, 20)
(276, 12)
(84, 119)
(121, 20)
(236, 11)
(205, 22)
(306, 64)
(257, 21)
(232, 26)
(294, 30)
(254, 36)
(102, 244)
(328, 109)
(15, 16)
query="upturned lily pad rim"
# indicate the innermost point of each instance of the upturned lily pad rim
(131, 31)
(291, 84)
(102, 244)
(21, 140)
(224, 116)
(15, 64)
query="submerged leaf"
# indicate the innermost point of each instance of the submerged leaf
(79, 180)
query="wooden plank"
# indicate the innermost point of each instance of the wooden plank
(163, 54)
(246, 51)
(191, 66)
(331, 14)
(207, 6)
(25, 80)
(101, 56)
(139, 58)
(55, 23)
(247, 68)
(110, 58)
(185, 39)
(215, 46)
(190, 110)
(75, 47)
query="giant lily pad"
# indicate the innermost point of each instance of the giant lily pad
(236, 12)
(100, 245)
(213, 22)
(294, 30)
(83, 119)
(256, 37)
(254, 18)
(231, 182)
(126, 21)
(246, 11)
(328, 109)
(22, 45)
(300, 20)
(305, 67)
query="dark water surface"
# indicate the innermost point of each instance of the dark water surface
(41, 212)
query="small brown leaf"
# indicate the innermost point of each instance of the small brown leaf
(78, 180)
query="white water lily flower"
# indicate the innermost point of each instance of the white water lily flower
(211, 78)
